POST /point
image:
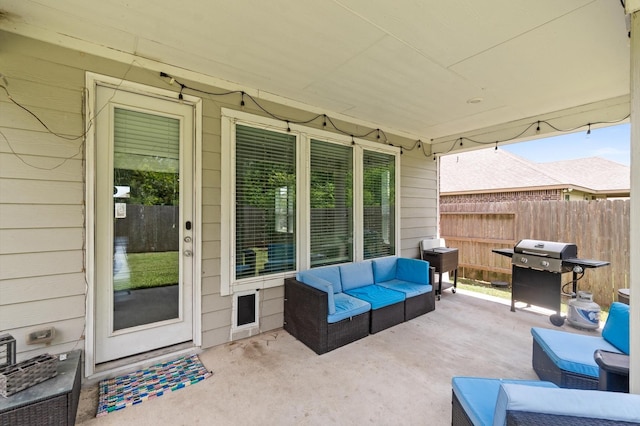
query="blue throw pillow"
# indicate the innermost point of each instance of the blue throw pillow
(616, 329)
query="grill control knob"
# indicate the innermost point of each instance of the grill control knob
(544, 263)
(523, 260)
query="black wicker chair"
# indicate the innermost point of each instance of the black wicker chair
(525, 418)
(305, 318)
(480, 397)
(547, 370)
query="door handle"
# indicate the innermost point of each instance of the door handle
(188, 253)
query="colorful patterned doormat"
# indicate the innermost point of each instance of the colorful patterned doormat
(131, 389)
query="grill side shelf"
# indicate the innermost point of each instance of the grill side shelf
(504, 252)
(586, 263)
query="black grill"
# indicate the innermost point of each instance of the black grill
(544, 255)
(537, 268)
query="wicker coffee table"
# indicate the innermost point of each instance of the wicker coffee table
(52, 402)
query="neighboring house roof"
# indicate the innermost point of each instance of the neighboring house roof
(490, 170)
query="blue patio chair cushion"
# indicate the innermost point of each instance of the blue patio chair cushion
(616, 329)
(413, 270)
(571, 351)
(347, 307)
(384, 269)
(377, 296)
(566, 402)
(324, 285)
(408, 288)
(355, 275)
(478, 395)
(328, 273)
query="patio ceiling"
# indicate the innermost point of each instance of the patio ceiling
(406, 66)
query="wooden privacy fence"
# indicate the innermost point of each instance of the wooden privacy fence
(599, 228)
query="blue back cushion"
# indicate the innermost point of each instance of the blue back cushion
(616, 329)
(328, 273)
(384, 269)
(354, 275)
(320, 284)
(413, 270)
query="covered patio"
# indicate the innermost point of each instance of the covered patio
(401, 375)
(394, 85)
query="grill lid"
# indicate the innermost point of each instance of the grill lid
(550, 249)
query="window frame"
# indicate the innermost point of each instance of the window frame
(229, 119)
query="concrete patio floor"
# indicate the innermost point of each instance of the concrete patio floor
(400, 376)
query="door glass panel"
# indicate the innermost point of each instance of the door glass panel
(146, 229)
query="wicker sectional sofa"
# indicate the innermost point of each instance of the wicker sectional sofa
(329, 307)
(567, 359)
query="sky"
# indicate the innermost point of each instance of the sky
(612, 143)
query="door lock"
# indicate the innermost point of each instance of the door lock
(188, 253)
(187, 239)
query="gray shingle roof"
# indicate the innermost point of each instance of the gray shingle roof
(492, 170)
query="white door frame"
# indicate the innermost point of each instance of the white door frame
(92, 80)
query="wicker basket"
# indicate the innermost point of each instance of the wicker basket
(17, 377)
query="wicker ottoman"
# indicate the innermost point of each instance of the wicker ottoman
(52, 402)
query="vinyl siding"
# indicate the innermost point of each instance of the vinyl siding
(42, 188)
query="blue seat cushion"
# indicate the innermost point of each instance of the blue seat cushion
(328, 273)
(571, 351)
(354, 275)
(377, 296)
(478, 396)
(384, 269)
(347, 307)
(616, 329)
(408, 288)
(566, 402)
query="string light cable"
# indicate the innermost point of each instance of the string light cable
(416, 144)
(87, 125)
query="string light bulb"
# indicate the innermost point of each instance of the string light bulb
(538, 128)
(496, 146)
(242, 100)
(589, 130)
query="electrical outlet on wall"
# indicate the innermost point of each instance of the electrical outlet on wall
(44, 335)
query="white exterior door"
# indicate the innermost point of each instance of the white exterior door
(144, 223)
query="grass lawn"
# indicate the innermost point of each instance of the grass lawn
(151, 270)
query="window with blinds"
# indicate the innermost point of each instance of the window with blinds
(379, 204)
(265, 201)
(331, 195)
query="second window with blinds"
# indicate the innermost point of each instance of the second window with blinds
(331, 202)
